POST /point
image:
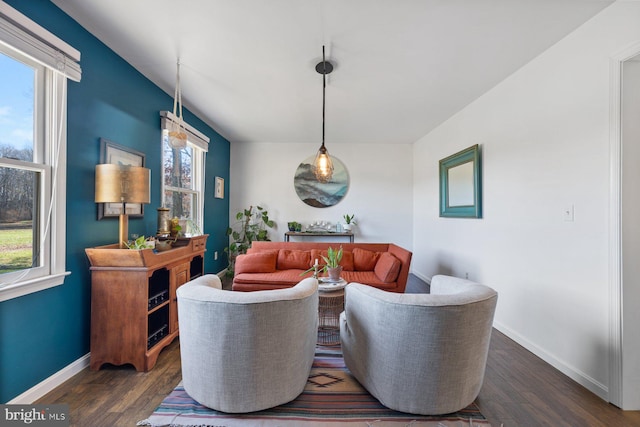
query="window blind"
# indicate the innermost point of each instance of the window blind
(20, 33)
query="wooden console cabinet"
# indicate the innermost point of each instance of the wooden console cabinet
(134, 311)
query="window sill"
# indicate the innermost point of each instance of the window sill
(30, 286)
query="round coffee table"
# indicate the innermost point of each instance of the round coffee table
(330, 305)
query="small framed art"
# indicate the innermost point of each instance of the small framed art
(219, 188)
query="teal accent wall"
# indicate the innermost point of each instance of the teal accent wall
(44, 332)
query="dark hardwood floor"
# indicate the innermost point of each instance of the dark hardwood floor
(519, 390)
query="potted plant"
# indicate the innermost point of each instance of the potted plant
(139, 244)
(348, 221)
(251, 224)
(332, 260)
(331, 265)
(294, 226)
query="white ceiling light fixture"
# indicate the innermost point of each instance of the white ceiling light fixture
(177, 130)
(322, 165)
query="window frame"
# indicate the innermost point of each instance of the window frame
(24, 41)
(197, 179)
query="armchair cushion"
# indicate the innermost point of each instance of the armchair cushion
(246, 351)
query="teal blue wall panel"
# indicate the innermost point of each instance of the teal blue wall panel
(44, 332)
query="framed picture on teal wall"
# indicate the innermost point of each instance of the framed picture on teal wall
(113, 153)
(461, 185)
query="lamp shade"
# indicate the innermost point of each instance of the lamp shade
(122, 184)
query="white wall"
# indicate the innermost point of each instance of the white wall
(380, 192)
(544, 134)
(631, 228)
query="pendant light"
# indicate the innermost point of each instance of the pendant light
(322, 165)
(177, 131)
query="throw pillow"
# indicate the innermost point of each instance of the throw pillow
(364, 260)
(290, 259)
(387, 268)
(257, 262)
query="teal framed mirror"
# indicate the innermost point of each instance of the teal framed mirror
(460, 184)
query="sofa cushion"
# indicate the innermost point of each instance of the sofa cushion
(288, 259)
(347, 261)
(364, 260)
(387, 268)
(368, 277)
(278, 277)
(257, 262)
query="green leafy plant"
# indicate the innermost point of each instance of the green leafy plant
(294, 226)
(138, 244)
(349, 219)
(332, 260)
(251, 224)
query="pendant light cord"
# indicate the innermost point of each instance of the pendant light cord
(324, 86)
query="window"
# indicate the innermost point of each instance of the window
(34, 66)
(183, 176)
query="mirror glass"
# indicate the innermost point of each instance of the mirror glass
(461, 185)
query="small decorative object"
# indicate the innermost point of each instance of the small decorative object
(293, 225)
(163, 245)
(163, 221)
(315, 269)
(175, 227)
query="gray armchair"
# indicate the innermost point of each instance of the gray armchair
(419, 353)
(246, 351)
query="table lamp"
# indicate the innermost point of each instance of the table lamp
(122, 184)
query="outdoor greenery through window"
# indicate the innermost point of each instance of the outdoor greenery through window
(21, 168)
(35, 66)
(182, 183)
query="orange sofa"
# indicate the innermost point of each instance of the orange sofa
(275, 265)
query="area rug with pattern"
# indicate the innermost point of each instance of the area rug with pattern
(331, 398)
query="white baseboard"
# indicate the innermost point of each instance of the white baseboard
(422, 277)
(581, 378)
(44, 387)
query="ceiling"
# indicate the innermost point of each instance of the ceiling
(402, 67)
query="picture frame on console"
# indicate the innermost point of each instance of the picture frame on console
(112, 153)
(461, 185)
